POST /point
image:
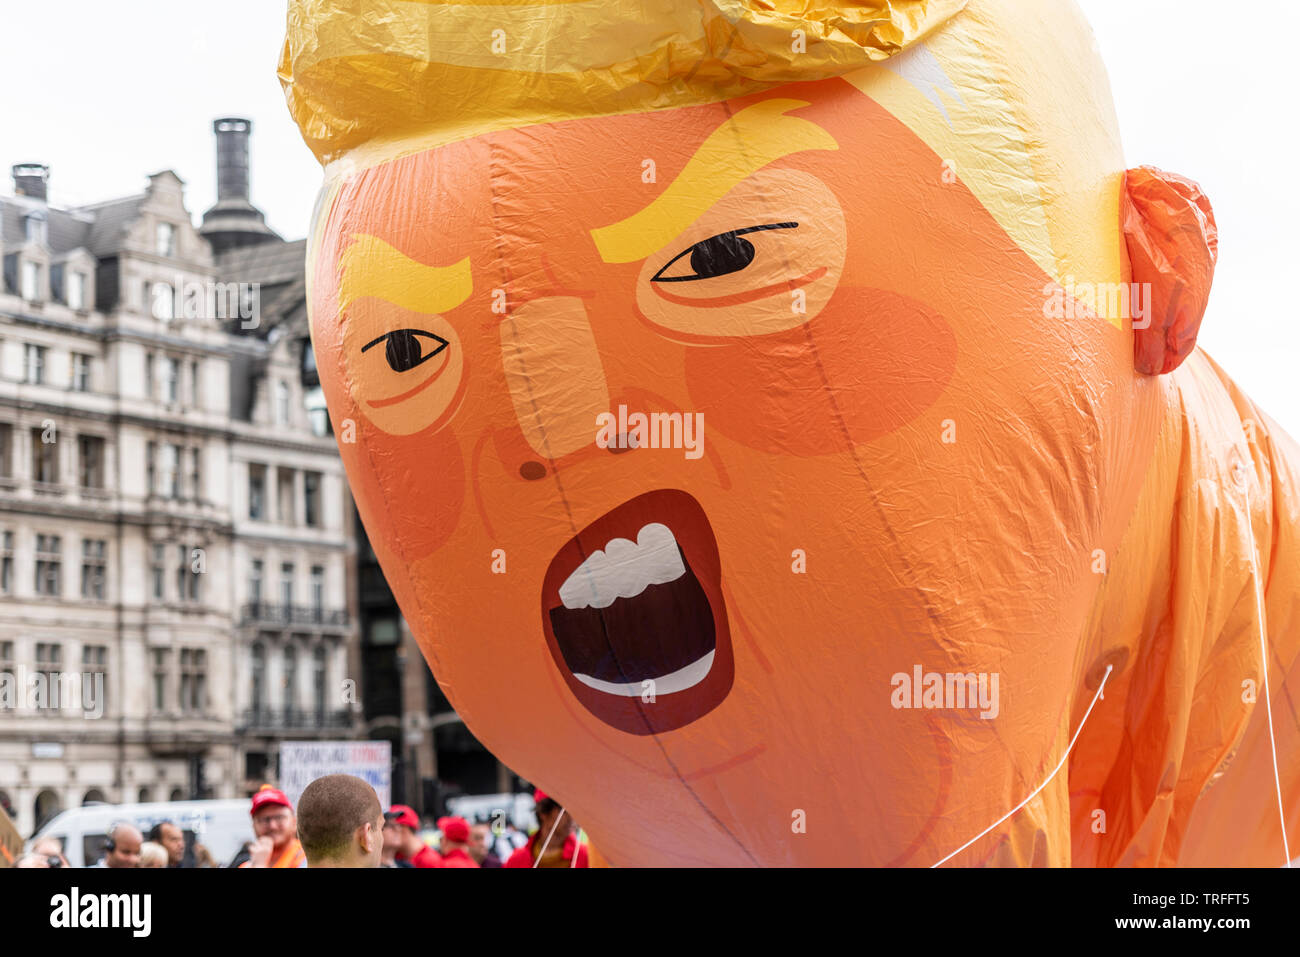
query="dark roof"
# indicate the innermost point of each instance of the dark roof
(270, 263)
(66, 229)
(111, 221)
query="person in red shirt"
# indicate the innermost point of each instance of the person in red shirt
(455, 842)
(557, 851)
(413, 849)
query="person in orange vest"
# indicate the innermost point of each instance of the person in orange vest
(277, 831)
(455, 842)
(554, 843)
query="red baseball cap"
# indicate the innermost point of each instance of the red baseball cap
(539, 796)
(268, 795)
(404, 815)
(454, 829)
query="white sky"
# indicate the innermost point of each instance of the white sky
(107, 93)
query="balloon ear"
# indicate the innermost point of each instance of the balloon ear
(1172, 246)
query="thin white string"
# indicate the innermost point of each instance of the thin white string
(1065, 757)
(547, 842)
(1263, 655)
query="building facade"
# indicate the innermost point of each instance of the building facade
(177, 558)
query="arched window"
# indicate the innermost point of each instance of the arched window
(94, 796)
(145, 796)
(177, 795)
(45, 807)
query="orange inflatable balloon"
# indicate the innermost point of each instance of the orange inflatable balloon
(782, 429)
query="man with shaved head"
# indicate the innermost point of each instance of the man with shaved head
(121, 847)
(341, 823)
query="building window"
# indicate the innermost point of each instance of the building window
(80, 372)
(90, 461)
(162, 304)
(196, 472)
(36, 228)
(45, 458)
(311, 482)
(49, 559)
(6, 450)
(286, 585)
(187, 574)
(166, 239)
(195, 391)
(171, 379)
(255, 582)
(159, 680)
(49, 659)
(282, 403)
(76, 291)
(6, 563)
(258, 701)
(257, 491)
(284, 495)
(318, 591)
(92, 569)
(31, 281)
(148, 375)
(158, 569)
(290, 679)
(194, 666)
(94, 660)
(34, 364)
(171, 471)
(151, 467)
(318, 681)
(7, 660)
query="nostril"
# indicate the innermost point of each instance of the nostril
(626, 442)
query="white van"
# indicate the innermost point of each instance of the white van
(222, 827)
(518, 809)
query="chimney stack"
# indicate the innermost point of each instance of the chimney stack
(233, 222)
(31, 179)
(232, 157)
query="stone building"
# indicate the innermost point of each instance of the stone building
(174, 517)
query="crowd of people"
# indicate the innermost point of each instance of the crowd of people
(339, 822)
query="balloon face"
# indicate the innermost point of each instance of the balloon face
(668, 432)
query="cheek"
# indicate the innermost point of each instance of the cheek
(869, 364)
(410, 491)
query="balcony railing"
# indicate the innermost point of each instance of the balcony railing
(263, 614)
(286, 719)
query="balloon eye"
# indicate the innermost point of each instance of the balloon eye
(718, 255)
(404, 351)
(721, 255)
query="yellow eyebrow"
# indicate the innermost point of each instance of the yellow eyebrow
(741, 146)
(371, 267)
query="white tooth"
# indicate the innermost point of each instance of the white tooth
(624, 569)
(679, 680)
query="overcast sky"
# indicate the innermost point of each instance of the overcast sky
(107, 93)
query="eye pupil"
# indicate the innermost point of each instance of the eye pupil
(402, 351)
(721, 254)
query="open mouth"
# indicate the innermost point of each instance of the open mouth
(633, 613)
